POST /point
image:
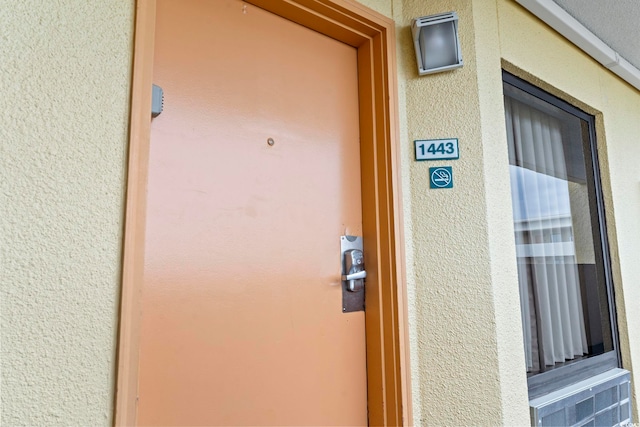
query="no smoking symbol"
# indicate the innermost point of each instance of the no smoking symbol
(441, 177)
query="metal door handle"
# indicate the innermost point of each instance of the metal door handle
(359, 275)
(354, 272)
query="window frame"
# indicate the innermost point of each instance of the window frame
(570, 373)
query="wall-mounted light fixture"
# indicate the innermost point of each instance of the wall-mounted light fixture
(436, 41)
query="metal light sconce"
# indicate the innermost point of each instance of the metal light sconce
(436, 41)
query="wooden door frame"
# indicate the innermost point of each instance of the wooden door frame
(373, 35)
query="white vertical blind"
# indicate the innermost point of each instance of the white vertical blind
(552, 317)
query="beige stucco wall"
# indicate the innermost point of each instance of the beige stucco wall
(532, 48)
(64, 85)
(467, 364)
(467, 360)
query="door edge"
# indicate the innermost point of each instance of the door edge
(373, 35)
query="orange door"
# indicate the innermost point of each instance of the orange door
(253, 177)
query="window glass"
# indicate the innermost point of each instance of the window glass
(559, 248)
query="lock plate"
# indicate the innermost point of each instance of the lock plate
(351, 300)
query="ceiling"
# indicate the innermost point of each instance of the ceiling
(615, 22)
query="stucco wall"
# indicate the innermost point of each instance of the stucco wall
(467, 363)
(463, 307)
(537, 52)
(64, 85)
(384, 7)
(464, 318)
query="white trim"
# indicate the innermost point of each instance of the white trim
(558, 19)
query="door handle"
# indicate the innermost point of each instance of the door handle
(354, 276)
(354, 267)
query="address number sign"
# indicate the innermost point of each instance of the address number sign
(437, 149)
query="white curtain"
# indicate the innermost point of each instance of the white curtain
(552, 317)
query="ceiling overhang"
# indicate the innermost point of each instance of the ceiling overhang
(606, 30)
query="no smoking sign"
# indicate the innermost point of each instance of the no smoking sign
(441, 177)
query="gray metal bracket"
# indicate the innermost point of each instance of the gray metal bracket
(157, 100)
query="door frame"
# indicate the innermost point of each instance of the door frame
(373, 35)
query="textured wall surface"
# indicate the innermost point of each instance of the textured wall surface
(384, 7)
(464, 316)
(561, 68)
(465, 336)
(64, 85)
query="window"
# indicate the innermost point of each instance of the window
(562, 255)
